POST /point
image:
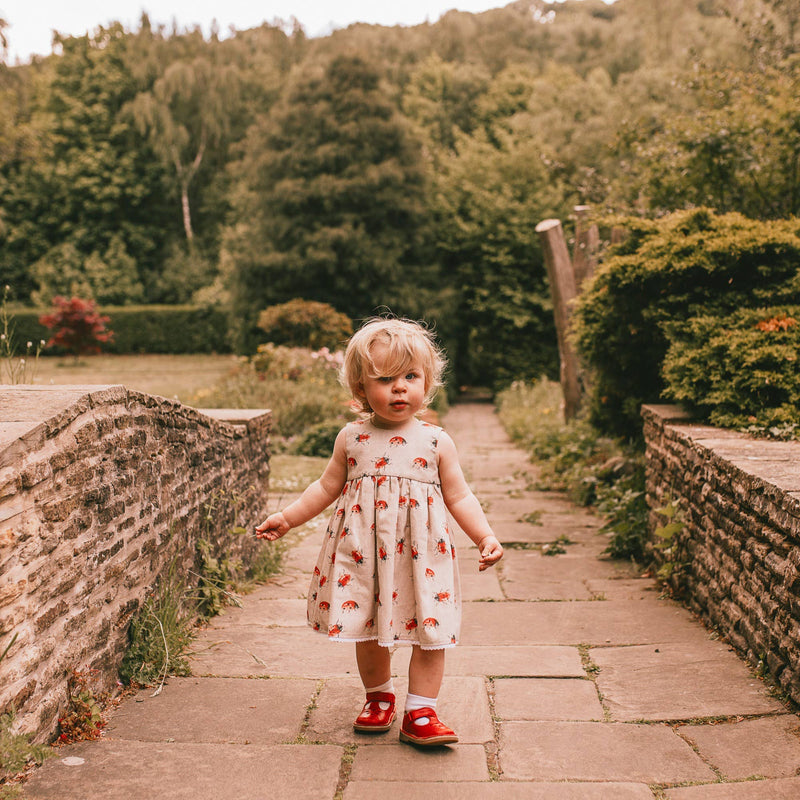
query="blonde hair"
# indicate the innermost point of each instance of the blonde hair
(407, 342)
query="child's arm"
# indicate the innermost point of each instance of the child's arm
(464, 506)
(316, 498)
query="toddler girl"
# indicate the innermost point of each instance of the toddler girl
(387, 571)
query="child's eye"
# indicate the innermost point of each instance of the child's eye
(411, 376)
(385, 379)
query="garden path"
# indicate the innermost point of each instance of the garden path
(575, 680)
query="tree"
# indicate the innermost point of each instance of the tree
(184, 114)
(79, 329)
(77, 174)
(738, 150)
(329, 201)
(488, 201)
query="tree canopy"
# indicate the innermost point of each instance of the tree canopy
(403, 167)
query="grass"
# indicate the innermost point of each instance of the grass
(173, 376)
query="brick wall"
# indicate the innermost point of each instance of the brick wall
(740, 499)
(101, 489)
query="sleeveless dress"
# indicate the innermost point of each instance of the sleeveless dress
(387, 570)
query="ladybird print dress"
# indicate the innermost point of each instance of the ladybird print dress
(387, 570)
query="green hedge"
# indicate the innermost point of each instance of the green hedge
(668, 271)
(742, 370)
(145, 329)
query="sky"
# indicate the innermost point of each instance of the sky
(31, 22)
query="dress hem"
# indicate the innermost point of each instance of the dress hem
(394, 642)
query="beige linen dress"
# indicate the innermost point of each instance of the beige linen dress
(387, 570)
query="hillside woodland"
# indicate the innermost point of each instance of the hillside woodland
(401, 167)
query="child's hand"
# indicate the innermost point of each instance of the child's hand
(491, 551)
(273, 527)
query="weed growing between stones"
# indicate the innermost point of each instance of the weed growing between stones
(160, 635)
(216, 577)
(83, 718)
(17, 754)
(672, 546)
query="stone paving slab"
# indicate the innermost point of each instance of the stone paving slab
(124, 770)
(683, 680)
(275, 652)
(400, 762)
(784, 789)
(261, 610)
(547, 699)
(623, 588)
(597, 751)
(594, 623)
(406, 790)
(479, 585)
(463, 704)
(767, 747)
(535, 576)
(543, 661)
(215, 710)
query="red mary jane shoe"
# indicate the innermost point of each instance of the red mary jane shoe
(373, 719)
(433, 733)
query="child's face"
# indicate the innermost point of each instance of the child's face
(394, 399)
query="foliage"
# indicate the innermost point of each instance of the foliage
(328, 205)
(15, 368)
(305, 323)
(667, 271)
(733, 147)
(83, 718)
(16, 750)
(77, 179)
(216, 578)
(160, 634)
(110, 277)
(738, 370)
(674, 558)
(300, 387)
(487, 198)
(149, 329)
(168, 329)
(79, 328)
(268, 561)
(573, 457)
(318, 440)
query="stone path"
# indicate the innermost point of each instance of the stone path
(575, 680)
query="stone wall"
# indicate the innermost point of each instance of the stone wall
(740, 501)
(101, 490)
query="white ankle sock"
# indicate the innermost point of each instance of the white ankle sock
(384, 687)
(416, 701)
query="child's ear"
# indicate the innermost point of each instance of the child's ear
(359, 390)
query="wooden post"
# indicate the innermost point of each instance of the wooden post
(562, 288)
(587, 242)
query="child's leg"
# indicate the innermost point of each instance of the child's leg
(374, 663)
(425, 672)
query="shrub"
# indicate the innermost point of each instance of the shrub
(686, 265)
(738, 370)
(305, 323)
(80, 329)
(168, 329)
(147, 329)
(318, 440)
(299, 386)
